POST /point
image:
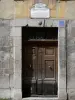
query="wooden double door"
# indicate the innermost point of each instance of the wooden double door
(39, 70)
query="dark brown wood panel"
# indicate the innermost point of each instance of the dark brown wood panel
(40, 71)
(49, 69)
(30, 61)
(49, 51)
(39, 62)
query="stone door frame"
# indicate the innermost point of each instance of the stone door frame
(16, 35)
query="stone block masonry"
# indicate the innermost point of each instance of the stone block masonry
(10, 57)
(6, 60)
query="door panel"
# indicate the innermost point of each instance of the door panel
(30, 62)
(49, 51)
(49, 87)
(33, 87)
(29, 70)
(49, 68)
(41, 70)
(39, 87)
(39, 62)
(49, 62)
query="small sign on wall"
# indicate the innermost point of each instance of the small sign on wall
(40, 10)
(61, 23)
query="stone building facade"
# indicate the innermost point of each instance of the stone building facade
(11, 23)
(11, 57)
(10, 9)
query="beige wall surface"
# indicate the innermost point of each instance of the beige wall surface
(10, 9)
(6, 9)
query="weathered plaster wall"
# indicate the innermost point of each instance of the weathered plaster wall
(20, 9)
(6, 61)
(71, 60)
(15, 34)
(69, 10)
(7, 9)
(62, 9)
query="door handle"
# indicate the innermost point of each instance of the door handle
(50, 67)
(30, 66)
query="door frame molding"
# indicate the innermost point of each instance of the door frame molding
(16, 36)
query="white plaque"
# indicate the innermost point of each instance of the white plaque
(40, 10)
